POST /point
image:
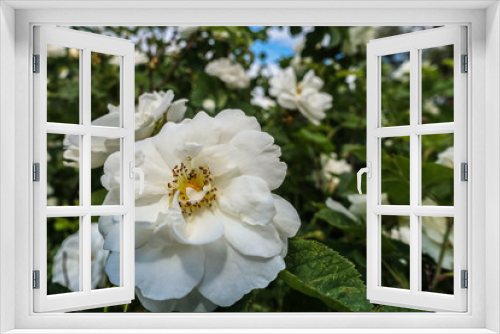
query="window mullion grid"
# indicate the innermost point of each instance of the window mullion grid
(415, 93)
(85, 166)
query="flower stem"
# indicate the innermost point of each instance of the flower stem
(125, 308)
(449, 226)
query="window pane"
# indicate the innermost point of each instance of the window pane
(105, 90)
(63, 84)
(437, 169)
(63, 170)
(437, 84)
(106, 188)
(395, 89)
(437, 254)
(63, 255)
(395, 252)
(395, 180)
(99, 256)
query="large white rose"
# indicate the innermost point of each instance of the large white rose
(327, 179)
(304, 96)
(65, 270)
(152, 107)
(233, 74)
(208, 227)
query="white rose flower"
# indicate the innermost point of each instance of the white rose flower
(402, 72)
(350, 80)
(445, 158)
(186, 31)
(304, 96)
(209, 105)
(233, 74)
(331, 166)
(65, 270)
(433, 233)
(358, 203)
(260, 99)
(151, 108)
(208, 227)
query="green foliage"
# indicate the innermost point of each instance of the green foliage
(322, 273)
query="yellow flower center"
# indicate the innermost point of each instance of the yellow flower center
(194, 186)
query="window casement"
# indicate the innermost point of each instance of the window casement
(82, 134)
(382, 127)
(21, 316)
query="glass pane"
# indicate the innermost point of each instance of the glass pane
(437, 254)
(63, 84)
(99, 256)
(395, 251)
(63, 255)
(63, 170)
(437, 169)
(395, 180)
(395, 89)
(105, 188)
(105, 89)
(437, 84)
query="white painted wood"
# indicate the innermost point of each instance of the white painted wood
(86, 43)
(413, 43)
(491, 162)
(183, 14)
(7, 167)
(76, 129)
(418, 129)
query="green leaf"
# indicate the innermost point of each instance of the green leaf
(97, 197)
(317, 138)
(336, 219)
(387, 308)
(334, 37)
(320, 272)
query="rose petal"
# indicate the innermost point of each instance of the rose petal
(230, 275)
(167, 272)
(286, 220)
(249, 199)
(234, 121)
(258, 156)
(252, 240)
(193, 302)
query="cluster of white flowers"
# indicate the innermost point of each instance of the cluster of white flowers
(331, 167)
(304, 96)
(65, 270)
(208, 227)
(151, 108)
(233, 74)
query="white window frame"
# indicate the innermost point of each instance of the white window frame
(86, 43)
(483, 21)
(413, 43)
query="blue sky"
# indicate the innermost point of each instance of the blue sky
(280, 44)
